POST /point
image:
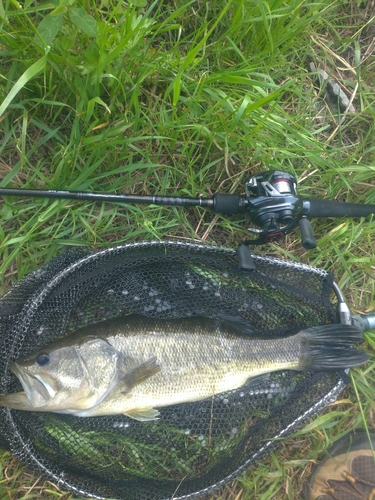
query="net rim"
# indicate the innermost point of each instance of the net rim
(34, 301)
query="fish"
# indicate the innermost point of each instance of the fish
(134, 365)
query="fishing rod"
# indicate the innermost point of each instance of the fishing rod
(270, 200)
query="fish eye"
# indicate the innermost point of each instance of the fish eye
(42, 359)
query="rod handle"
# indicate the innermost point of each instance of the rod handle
(227, 203)
(331, 208)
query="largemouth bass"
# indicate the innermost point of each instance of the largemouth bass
(134, 365)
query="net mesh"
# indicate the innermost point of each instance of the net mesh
(192, 448)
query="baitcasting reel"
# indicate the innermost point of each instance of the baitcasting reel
(270, 200)
(274, 206)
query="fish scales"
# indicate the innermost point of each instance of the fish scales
(218, 361)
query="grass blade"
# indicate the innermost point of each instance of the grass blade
(30, 73)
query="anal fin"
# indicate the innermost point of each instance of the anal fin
(142, 414)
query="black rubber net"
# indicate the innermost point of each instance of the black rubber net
(193, 448)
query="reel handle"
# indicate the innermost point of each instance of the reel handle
(307, 238)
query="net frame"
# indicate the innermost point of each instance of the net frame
(23, 302)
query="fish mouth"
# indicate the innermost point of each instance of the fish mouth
(38, 388)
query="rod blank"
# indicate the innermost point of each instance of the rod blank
(111, 198)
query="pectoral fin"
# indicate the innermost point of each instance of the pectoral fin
(142, 414)
(137, 375)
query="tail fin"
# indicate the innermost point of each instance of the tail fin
(330, 347)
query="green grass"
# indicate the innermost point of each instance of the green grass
(188, 98)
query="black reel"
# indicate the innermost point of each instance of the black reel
(274, 206)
